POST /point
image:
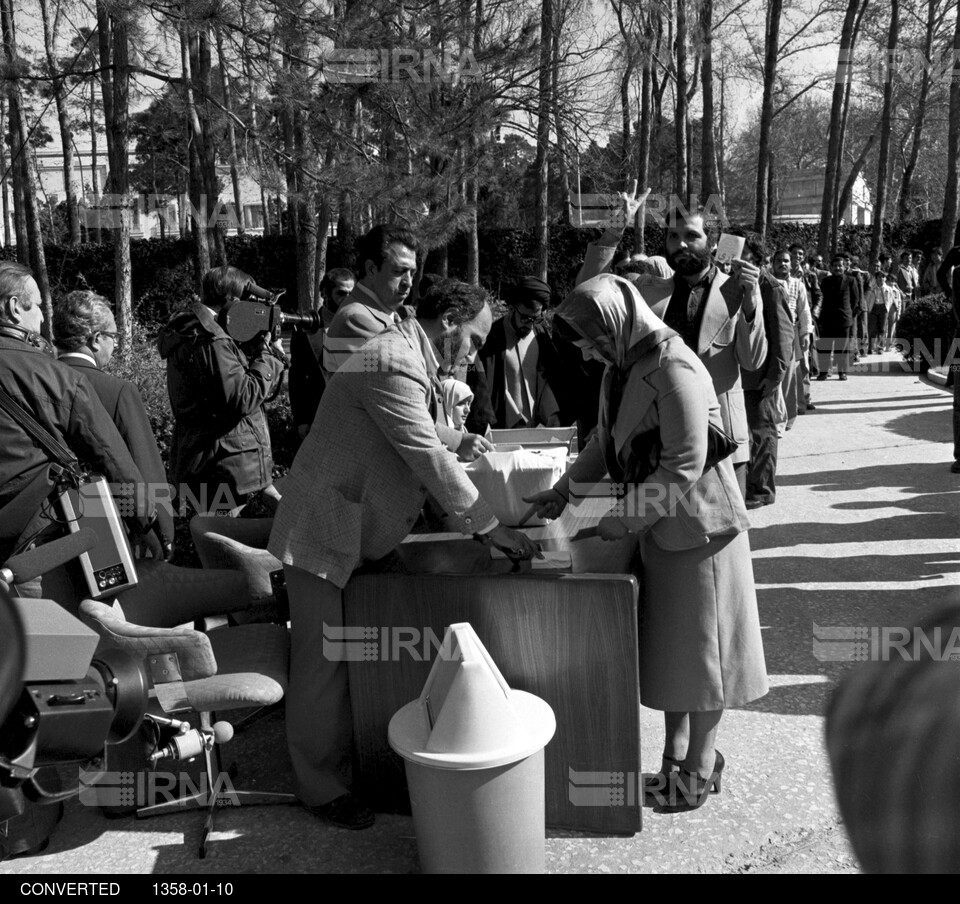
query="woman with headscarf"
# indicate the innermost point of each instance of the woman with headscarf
(457, 397)
(659, 430)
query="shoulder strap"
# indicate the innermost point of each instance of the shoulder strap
(50, 444)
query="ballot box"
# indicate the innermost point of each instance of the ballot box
(565, 631)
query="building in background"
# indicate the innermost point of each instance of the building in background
(800, 196)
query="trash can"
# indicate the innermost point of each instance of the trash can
(473, 753)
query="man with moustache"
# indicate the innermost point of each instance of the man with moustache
(718, 316)
(352, 495)
(387, 258)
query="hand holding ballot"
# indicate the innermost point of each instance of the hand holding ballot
(548, 504)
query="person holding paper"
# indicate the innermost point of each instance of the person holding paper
(719, 317)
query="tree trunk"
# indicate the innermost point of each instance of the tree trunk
(771, 54)
(879, 210)
(626, 163)
(93, 232)
(858, 166)
(844, 74)
(559, 128)
(903, 201)
(197, 207)
(680, 185)
(709, 178)
(117, 101)
(231, 135)
(208, 155)
(948, 221)
(643, 153)
(66, 130)
(21, 151)
(5, 186)
(542, 209)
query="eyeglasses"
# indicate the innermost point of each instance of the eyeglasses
(528, 318)
(113, 336)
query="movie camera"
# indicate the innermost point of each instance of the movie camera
(259, 313)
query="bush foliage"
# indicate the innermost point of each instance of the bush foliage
(929, 326)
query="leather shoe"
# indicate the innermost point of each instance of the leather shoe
(822, 377)
(811, 407)
(843, 376)
(955, 468)
(758, 503)
(345, 812)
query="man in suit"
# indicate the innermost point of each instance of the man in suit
(520, 361)
(836, 319)
(65, 404)
(719, 317)
(388, 263)
(306, 380)
(354, 492)
(86, 335)
(761, 387)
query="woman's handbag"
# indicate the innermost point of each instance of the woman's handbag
(646, 449)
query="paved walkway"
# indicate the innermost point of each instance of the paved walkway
(863, 534)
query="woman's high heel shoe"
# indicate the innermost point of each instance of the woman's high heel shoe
(688, 791)
(657, 781)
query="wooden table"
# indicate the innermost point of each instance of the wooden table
(570, 638)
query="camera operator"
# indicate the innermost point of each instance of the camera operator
(63, 402)
(221, 446)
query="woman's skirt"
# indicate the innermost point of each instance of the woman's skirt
(700, 644)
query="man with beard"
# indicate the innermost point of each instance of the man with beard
(352, 495)
(718, 316)
(520, 361)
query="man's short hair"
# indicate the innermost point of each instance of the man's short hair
(78, 318)
(220, 284)
(796, 246)
(332, 277)
(373, 246)
(13, 280)
(677, 213)
(443, 295)
(781, 249)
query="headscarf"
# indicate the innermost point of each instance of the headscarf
(611, 308)
(454, 393)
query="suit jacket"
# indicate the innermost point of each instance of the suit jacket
(780, 338)
(726, 343)
(680, 504)
(355, 322)
(360, 478)
(123, 403)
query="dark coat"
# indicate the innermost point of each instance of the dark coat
(65, 404)
(217, 394)
(123, 403)
(778, 325)
(836, 315)
(548, 366)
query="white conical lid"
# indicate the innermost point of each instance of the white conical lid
(467, 716)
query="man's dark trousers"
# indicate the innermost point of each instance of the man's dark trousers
(762, 420)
